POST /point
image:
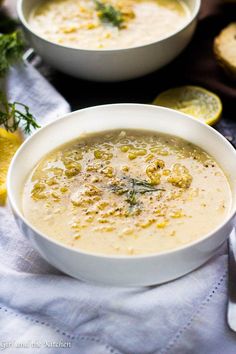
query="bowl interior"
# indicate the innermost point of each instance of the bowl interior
(24, 8)
(28, 5)
(117, 116)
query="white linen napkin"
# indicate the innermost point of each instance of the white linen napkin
(25, 84)
(44, 311)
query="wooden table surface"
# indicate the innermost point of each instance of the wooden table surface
(80, 93)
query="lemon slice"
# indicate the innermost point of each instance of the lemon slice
(194, 101)
(9, 143)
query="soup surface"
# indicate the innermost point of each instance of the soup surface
(126, 193)
(87, 24)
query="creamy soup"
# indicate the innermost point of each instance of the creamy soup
(109, 24)
(127, 193)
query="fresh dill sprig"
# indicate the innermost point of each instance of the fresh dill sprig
(108, 13)
(12, 115)
(132, 188)
(11, 49)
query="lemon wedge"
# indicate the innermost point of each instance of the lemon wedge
(194, 101)
(9, 143)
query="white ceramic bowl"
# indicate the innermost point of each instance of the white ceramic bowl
(121, 270)
(110, 65)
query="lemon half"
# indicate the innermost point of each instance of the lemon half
(194, 101)
(9, 143)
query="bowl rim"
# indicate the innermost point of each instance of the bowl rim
(16, 210)
(24, 21)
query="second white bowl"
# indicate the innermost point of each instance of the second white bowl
(110, 65)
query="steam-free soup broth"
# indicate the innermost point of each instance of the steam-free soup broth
(107, 24)
(126, 193)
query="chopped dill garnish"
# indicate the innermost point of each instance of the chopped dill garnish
(108, 13)
(132, 188)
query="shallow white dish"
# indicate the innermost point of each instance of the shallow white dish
(110, 65)
(121, 270)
